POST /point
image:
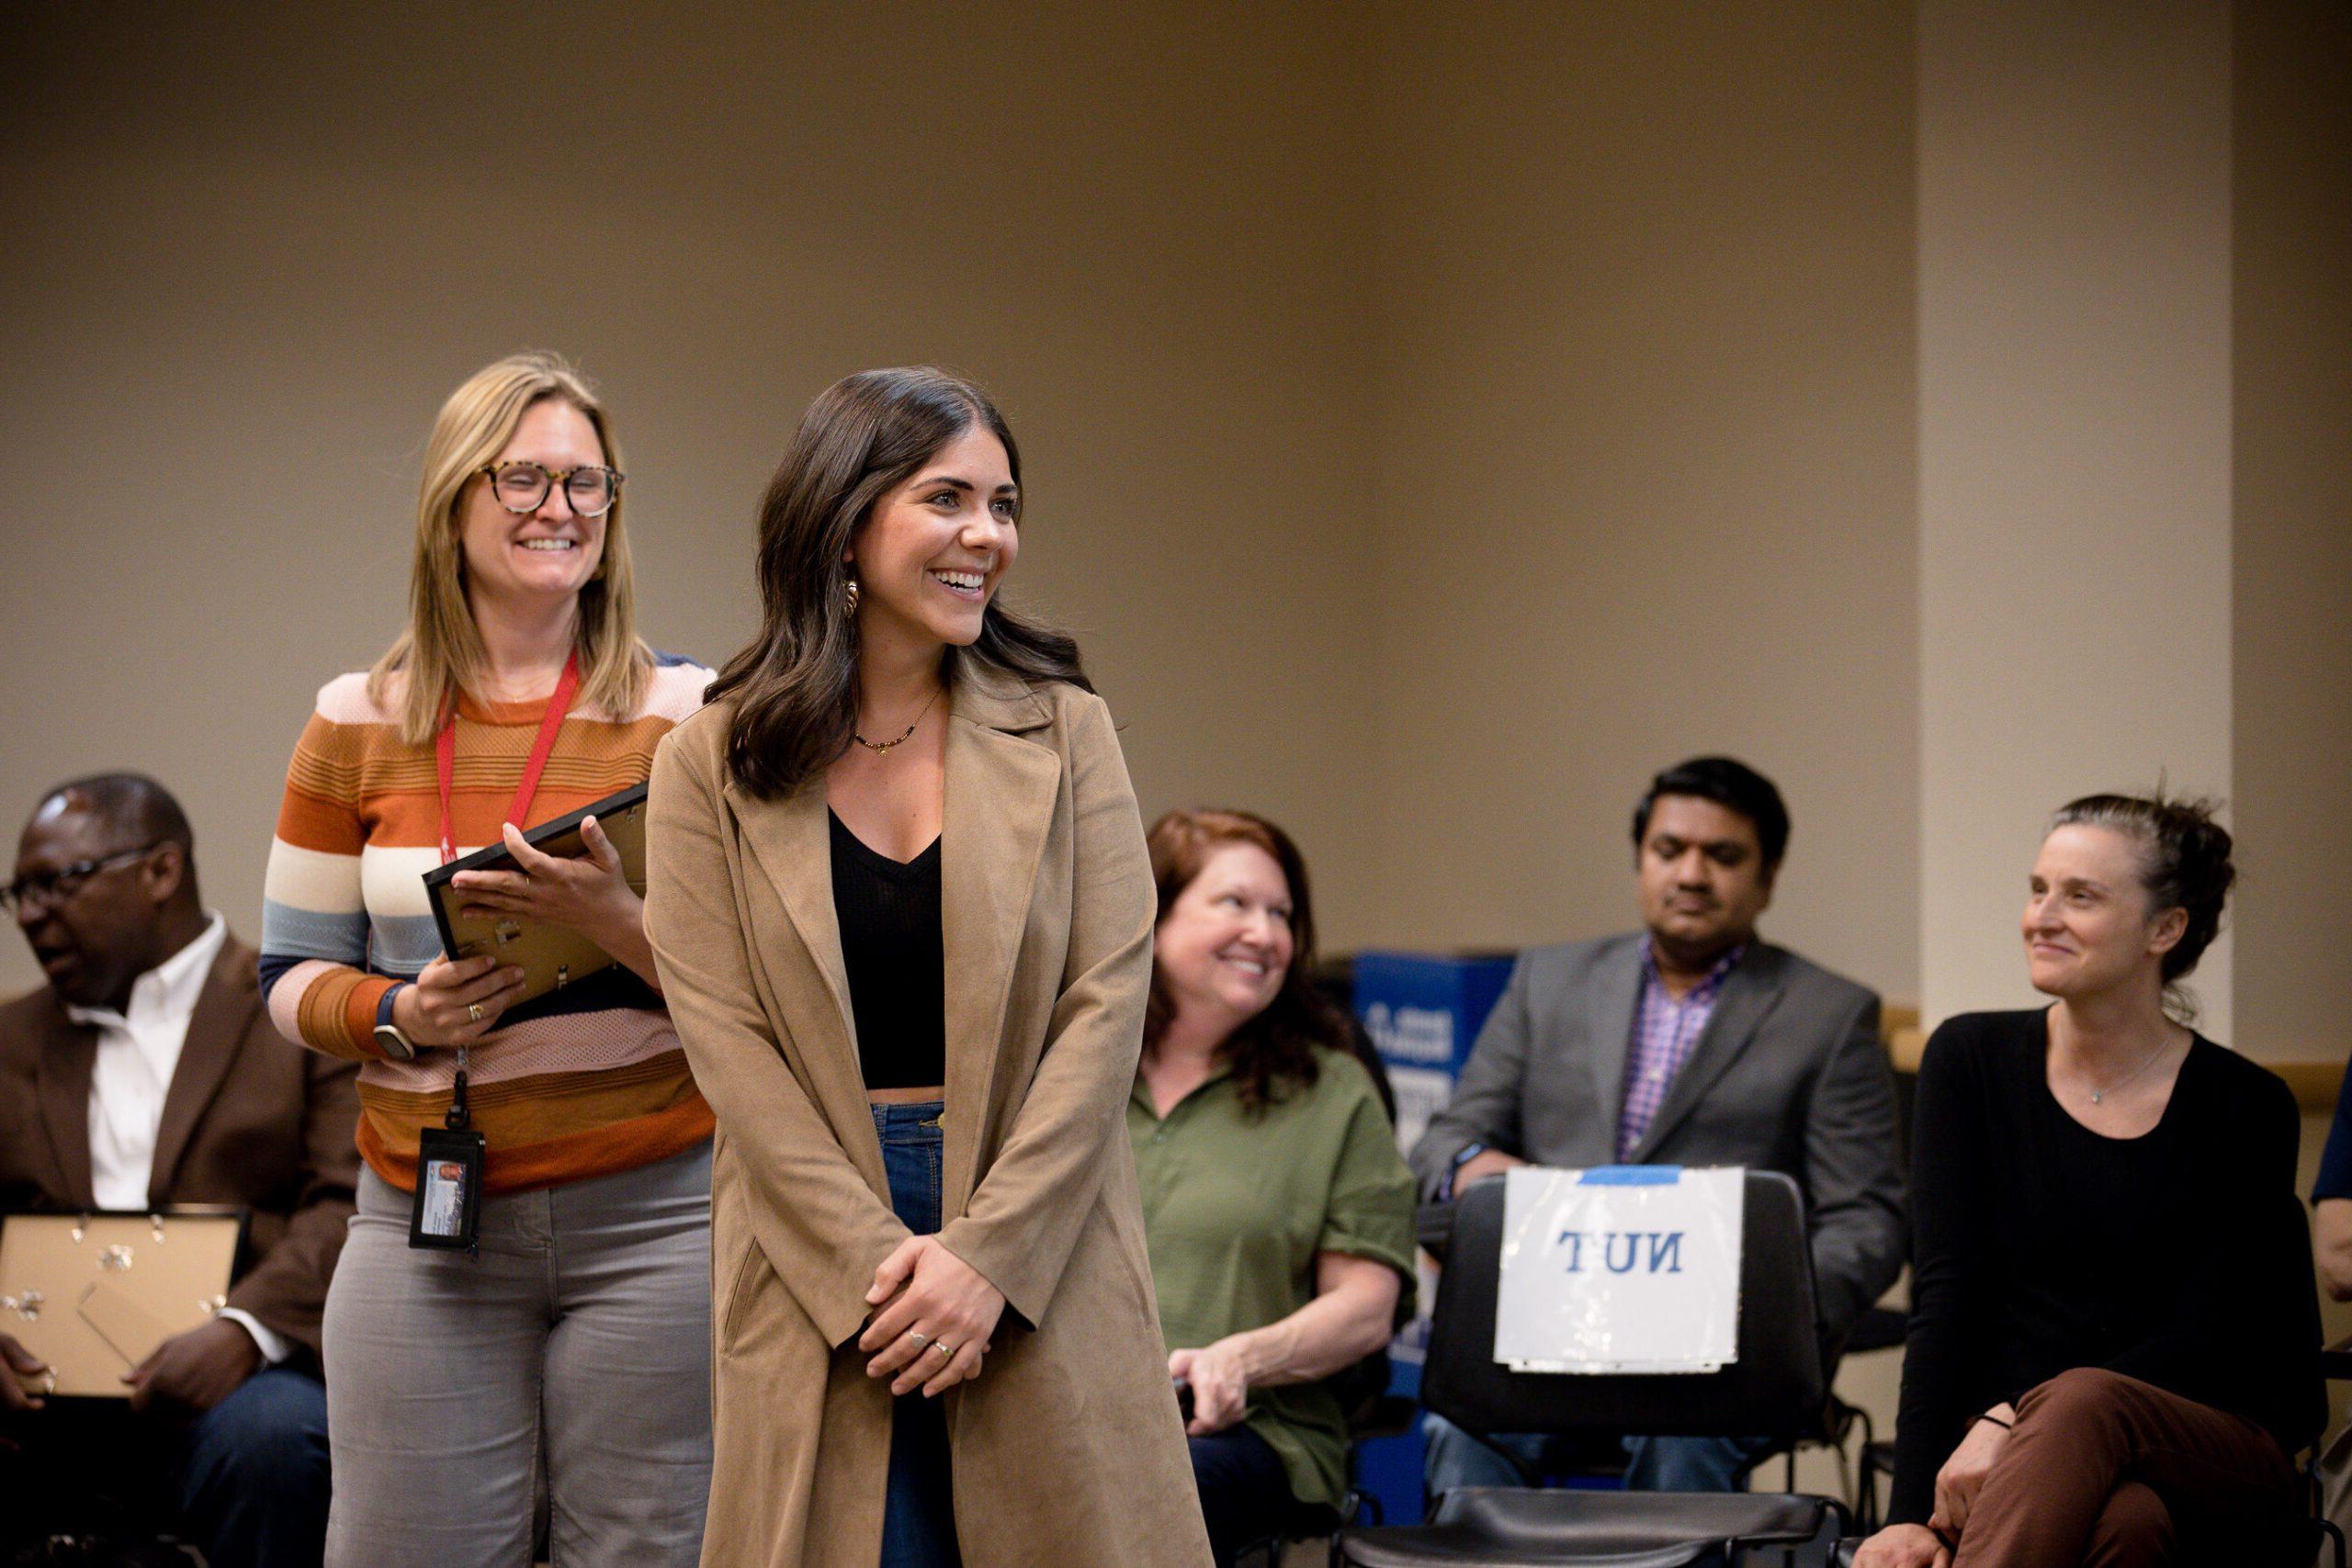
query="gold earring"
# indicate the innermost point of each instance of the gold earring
(849, 596)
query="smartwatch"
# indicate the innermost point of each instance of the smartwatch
(396, 1046)
(1462, 1157)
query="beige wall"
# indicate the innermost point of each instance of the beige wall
(246, 261)
(1312, 527)
(1436, 420)
(2292, 637)
(2074, 446)
(1644, 471)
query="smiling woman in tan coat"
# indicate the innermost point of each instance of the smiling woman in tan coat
(902, 914)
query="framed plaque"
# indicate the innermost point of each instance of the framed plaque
(91, 1295)
(551, 957)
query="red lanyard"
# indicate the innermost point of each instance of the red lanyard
(444, 754)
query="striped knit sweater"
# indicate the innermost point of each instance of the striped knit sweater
(594, 1081)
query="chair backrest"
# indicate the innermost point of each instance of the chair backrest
(1775, 1388)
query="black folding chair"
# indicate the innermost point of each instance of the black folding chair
(1775, 1389)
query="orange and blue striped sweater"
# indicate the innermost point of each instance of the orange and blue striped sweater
(594, 1081)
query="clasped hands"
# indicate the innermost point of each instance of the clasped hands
(457, 1002)
(1957, 1485)
(936, 1326)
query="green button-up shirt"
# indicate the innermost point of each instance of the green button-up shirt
(1235, 1205)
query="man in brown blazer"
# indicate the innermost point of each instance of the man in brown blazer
(144, 1074)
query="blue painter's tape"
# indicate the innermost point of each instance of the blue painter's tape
(1631, 1175)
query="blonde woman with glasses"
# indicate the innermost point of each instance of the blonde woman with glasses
(570, 1345)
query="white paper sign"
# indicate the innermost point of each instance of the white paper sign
(1623, 1269)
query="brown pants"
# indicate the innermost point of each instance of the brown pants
(2108, 1471)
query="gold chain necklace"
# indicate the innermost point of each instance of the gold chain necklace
(879, 747)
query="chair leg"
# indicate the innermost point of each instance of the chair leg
(1861, 1494)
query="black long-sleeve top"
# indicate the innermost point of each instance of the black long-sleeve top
(2179, 1258)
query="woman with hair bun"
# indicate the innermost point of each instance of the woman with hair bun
(2114, 1331)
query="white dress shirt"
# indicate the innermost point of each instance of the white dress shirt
(139, 1049)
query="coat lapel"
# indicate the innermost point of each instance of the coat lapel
(1616, 989)
(67, 1054)
(224, 1011)
(1749, 992)
(792, 841)
(1000, 807)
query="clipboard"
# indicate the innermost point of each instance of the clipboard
(91, 1295)
(552, 958)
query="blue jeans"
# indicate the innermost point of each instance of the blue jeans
(1652, 1464)
(919, 1503)
(253, 1474)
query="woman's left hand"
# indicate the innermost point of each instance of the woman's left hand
(938, 1296)
(1962, 1475)
(591, 895)
(1220, 1386)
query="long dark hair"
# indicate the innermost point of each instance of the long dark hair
(795, 684)
(1276, 1048)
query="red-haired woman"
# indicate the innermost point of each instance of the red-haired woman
(1278, 1212)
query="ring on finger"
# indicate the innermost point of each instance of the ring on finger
(919, 1337)
(943, 1348)
(473, 1011)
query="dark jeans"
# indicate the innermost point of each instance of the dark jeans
(919, 1508)
(1245, 1492)
(1454, 1458)
(247, 1480)
(252, 1474)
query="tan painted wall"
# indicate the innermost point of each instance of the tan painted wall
(1155, 234)
(246, 259)
(1644, 469)
(2292, 637)
(1432, 428)
(2074, 447)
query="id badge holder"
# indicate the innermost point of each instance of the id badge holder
(448, 1211)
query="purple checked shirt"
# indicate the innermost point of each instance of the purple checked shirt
(1665, 1028)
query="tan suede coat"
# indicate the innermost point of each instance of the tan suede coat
(1067, 1447)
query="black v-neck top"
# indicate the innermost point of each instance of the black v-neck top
(2178, 1257)
(888, 913)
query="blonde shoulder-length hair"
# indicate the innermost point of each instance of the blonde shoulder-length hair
(440, 653)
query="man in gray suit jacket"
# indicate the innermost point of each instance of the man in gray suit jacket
(1689, 1043)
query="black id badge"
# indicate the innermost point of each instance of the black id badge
(448, 1179)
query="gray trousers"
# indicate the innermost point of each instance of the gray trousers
(575, 1351)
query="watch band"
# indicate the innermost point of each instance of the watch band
(1462, 1157)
